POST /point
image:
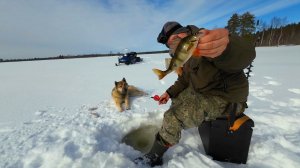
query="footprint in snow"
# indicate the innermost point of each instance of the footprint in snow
(92, 112)
(93, 108)
(95, 114)
(5, 128)
(268, 77)
(274, 83)
(40, 112)
(294, 90)
(260, 91)
(271, 81)
(294, 102)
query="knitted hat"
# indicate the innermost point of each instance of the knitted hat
(168, 29)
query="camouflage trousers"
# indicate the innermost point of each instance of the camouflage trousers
(189, 109)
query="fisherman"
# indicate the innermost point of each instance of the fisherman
(211, 79)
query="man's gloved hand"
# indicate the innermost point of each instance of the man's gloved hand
(213, 43)
(164, 98)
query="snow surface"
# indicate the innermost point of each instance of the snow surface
(46, 119)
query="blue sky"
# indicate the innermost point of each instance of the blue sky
(35, 28)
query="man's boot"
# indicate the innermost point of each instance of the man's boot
(154, 157)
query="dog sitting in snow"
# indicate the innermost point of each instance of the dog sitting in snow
(122, 92)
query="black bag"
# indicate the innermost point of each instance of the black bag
(224, 144)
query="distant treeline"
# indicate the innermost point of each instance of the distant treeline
(79, 56)
(276, 32)
(283, 35)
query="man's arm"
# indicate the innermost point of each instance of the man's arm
(229, 53)
(180, 84)
(238, 55)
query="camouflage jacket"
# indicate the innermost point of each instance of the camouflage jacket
(223, 75)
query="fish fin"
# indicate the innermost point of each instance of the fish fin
(159, 73)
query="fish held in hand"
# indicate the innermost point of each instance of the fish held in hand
(183, 52)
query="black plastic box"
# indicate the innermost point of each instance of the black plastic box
(225, 145)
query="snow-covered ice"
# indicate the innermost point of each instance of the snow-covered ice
(60, 113)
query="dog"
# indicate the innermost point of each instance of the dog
(122, 92)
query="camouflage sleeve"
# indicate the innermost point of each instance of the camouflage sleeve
(180, 84)
(237, 56)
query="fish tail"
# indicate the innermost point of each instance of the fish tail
(159, 73)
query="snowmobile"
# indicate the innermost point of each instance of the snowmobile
(128, 58)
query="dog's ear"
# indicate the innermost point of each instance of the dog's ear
(124, 79)
(116, 83)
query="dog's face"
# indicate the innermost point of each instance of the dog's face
(121, 86)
